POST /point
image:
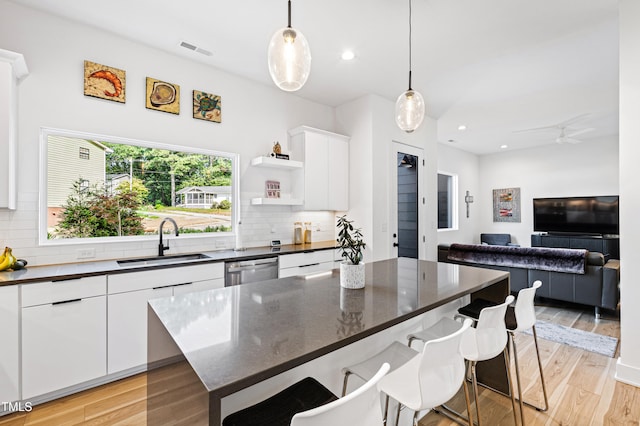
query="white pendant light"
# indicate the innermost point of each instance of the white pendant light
(289, 58)
(410, 104)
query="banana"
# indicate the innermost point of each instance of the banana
(8, 260)
(4, 254)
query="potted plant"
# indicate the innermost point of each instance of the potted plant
(350, 245)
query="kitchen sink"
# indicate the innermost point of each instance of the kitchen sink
(162, 260)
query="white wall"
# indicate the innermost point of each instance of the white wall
(628, 368)
(465, 166)
(551, 171)
(370, 123)
(253, 117)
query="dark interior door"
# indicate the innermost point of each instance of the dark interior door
(407, 205)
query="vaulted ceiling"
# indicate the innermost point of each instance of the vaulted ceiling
(495, 66)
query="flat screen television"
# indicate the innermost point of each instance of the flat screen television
(577, 215)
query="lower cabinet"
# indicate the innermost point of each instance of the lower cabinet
(10, 347)
(127, 307)
(64, 334)
(305, 263)
(127, 332)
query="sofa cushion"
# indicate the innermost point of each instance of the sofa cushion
(541, 258)
(495, 239)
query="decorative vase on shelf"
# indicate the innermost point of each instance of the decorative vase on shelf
(350, 244)
(352, 276)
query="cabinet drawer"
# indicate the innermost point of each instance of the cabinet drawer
(199, 286)
(60, 291)
(141, 280)
(305, 259)
(304, 270)
(63, 345)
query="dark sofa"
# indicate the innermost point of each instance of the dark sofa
(595, 283)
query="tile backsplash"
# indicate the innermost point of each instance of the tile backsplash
(261, 224)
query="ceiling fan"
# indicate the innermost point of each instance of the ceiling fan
(567, 131)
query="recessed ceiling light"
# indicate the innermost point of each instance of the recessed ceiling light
(462, 127)
(504, 146)
(348, 55)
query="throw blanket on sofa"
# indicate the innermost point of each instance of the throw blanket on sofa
(542, 258)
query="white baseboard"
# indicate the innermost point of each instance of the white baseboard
(627, 374)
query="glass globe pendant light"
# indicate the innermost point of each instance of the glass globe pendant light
(410, 104)
(289, 58)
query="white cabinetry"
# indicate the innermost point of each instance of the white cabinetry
(12, 69)
(127, 307)
(324, 179)
(305, 263)
(9, 349)
(63, 334)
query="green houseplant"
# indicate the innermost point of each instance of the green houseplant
(350, 243)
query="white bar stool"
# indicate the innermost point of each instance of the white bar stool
(519, 317)
(522, 317)
(421, 380)
(486, 341)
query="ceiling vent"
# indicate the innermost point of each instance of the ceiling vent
(195, 48)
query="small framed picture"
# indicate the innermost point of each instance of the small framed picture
(272, 189)
(207, 107)
(101, 81)
(162, 96)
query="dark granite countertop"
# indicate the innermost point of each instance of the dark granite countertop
(67, 271)
(237, 336)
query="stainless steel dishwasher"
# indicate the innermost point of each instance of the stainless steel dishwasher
(250, 271)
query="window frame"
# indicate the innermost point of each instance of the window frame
(45, 132)
(453, 201)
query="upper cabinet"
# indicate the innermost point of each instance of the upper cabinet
(12, 69)
(324, 179)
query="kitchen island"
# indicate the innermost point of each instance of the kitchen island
(213, 352)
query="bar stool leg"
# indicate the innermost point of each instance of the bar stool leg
(515, 359)
(544, 387)
(474, 381)
(386, 409)
(467, 400)
(398, 414)
(513, 398)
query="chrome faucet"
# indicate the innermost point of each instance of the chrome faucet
(162, 247)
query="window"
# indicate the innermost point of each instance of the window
(447, 204)
(121, 189)
(84, 153)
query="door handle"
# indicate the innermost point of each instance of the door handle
(395, 244)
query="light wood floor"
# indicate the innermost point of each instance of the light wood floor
(580, 385)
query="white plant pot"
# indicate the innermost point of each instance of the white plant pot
(352, 276)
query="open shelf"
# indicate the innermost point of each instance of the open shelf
(277, 163)
(277, 201)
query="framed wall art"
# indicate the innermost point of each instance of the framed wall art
(101, 81)
(162, 96)
(506, 205)
(207, 107)
(272, 189)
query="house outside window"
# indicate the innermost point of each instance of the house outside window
(447, 201)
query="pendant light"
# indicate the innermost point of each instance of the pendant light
(289, 58)
(410, 104)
